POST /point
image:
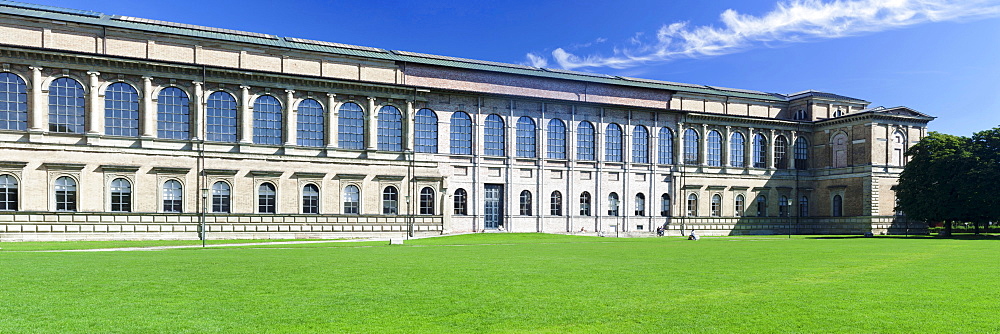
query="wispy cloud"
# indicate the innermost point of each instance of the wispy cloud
(790, 22)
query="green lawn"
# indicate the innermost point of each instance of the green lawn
(67, 245)
(513, 283)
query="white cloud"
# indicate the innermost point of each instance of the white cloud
(793, 21)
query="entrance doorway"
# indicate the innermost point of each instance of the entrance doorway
(493, 213)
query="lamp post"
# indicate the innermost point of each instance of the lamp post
(202, 227)
(409, 219)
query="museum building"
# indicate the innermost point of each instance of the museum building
(116, 127)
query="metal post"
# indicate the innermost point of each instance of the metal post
(203, 228)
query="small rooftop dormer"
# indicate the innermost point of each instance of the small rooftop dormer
(812, 105)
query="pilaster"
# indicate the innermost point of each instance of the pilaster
(94, 119)
(246, 117)
(289, 116)
(148, 109)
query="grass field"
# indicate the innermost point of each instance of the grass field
(513, 283)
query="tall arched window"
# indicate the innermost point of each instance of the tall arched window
(267, 120)
(352, 200)
(804, 206)
(427, 201)
(267, 198)
(665, 205)
(557, 139)
(173, 114)
(525, 137)
(65, 191)
(783, 205)
(691, 147)
(585, 141)
(666, 149)
(310, 199)
(640, 144)
(390, 201)
(525, 203)
(461, 202)
(839, 144)
(351, 127)
(716, 207)
(761, 206)
(221, 197)
(311, 124)
(692, 205)
(121, 110)
(898, 148)
(801, 153)
(121, 195)
(494, 139)
(613, 204)
(390, 129)
(737, 150)
(759, 151)
(585, 204)
(8, 193)
(13, 102)
(838, 206)
(66, 106)
(425, 131)
(221, 118)
(640, 204)
(461, 133)
(714, 157)
(555, 203)
(613, 143)
(173, 196)
(739, 205)
(780, 152)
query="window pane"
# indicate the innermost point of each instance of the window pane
(613, 143)
(13, 102)
(665, 205)
(221, 118)
(425, 131)
(759, 151)
(557, 139)
(65, 194)
(691, 147)
(640, 204)
(427, 201)
(173, 196)
(310, 199)
(525, 137)
(172, 114)
(585, 204)
(780, 150)
(390, 129)
(461, 202)
(737, 149)
(8, 193)
(714, 149)
(525, 203)
(666, 151)
(352, 200)
(351, 127)
(585, 141)
(220, 197)
(555, 204)
(640, 145)
(121, 110)
(494, 139)
(66, 106)
(266, 198)
(390, 201)
(121, 196)
(801, 153)
(311, 127)
(461, 133)
(613, 204)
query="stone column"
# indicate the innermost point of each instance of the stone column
(331, 120)
(703, 141)
(197, 125)
(148, 109)
(409, 120)
(94, 119)
(290, 118)
(371, 133)
(39, 116)
(790, 155)
(679, 144)
(770, 151)
(726, 145)
(748, 148)
(245, 135)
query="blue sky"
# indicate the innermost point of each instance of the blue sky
(939, 57)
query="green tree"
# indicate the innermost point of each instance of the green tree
(934, 184)
(986, 149)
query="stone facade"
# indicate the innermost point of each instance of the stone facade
(838, 181)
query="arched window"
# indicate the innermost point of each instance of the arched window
(525, 203)
(352, 200)
(716, 207)
(461, 133)
(427, 201)
(640, 144)
(714, 157)
(691, 147)
(351, 127)
(425, 131)
(173, 113)
(761, 206)
(801, 153)
(13, 102)
(310, 199)
(800, 115)
(8, 193)
(221, 197)
(311, 124)
(390, 201)
(838, 206)
(739, 205)
(585, 141)
(221, 118)
(613, 143)
(525, 137)
(585, 204)
(390, 129)
(839, 144)
(66, 106)
(780, 152)
(898, 147)
(121, 110)
(173, 196)
(461, 202)
(692, 205)
(838, 113)
(494, 139)
(783, 205)
(121, 195)
(804, 206)
(759, 151)
(737, 149)
(665, 205)
(65, 194)
(640, 204)
(666, 149)
(555, 203)
(557, 139)
(267, 120)
(613, 204)
(267, 198)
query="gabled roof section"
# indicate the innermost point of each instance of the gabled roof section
(899, 111)
(824, 95)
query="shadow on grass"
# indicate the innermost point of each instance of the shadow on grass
(935, 237)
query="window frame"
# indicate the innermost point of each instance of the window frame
(222, 201)
(390, 200)
(759, 151)
(428, 198)
(640, 204)
(665, 209)
(525, 203)
(737, 149)
(585, 204)
(640, 144)
(173, 114)
(13, 102)
(310, 124)
(267, 198)
(221, 117)
(586, 148)
(120, 195)
(555, 203)
(613, 204)
(351, 126)
(556, 137)
(461, 133)
(425, 131)
(692, 144)
(310, 203)
(67, 106)
(494, 136)
(351, 200)
(714, 155)
(10, 190)
(525, 138)
(121, 110)
(390, 129)
(666, 146)
(614, 140)
(460, 202)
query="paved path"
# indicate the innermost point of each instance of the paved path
(155, 248)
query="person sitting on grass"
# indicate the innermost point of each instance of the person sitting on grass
(693, 236)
